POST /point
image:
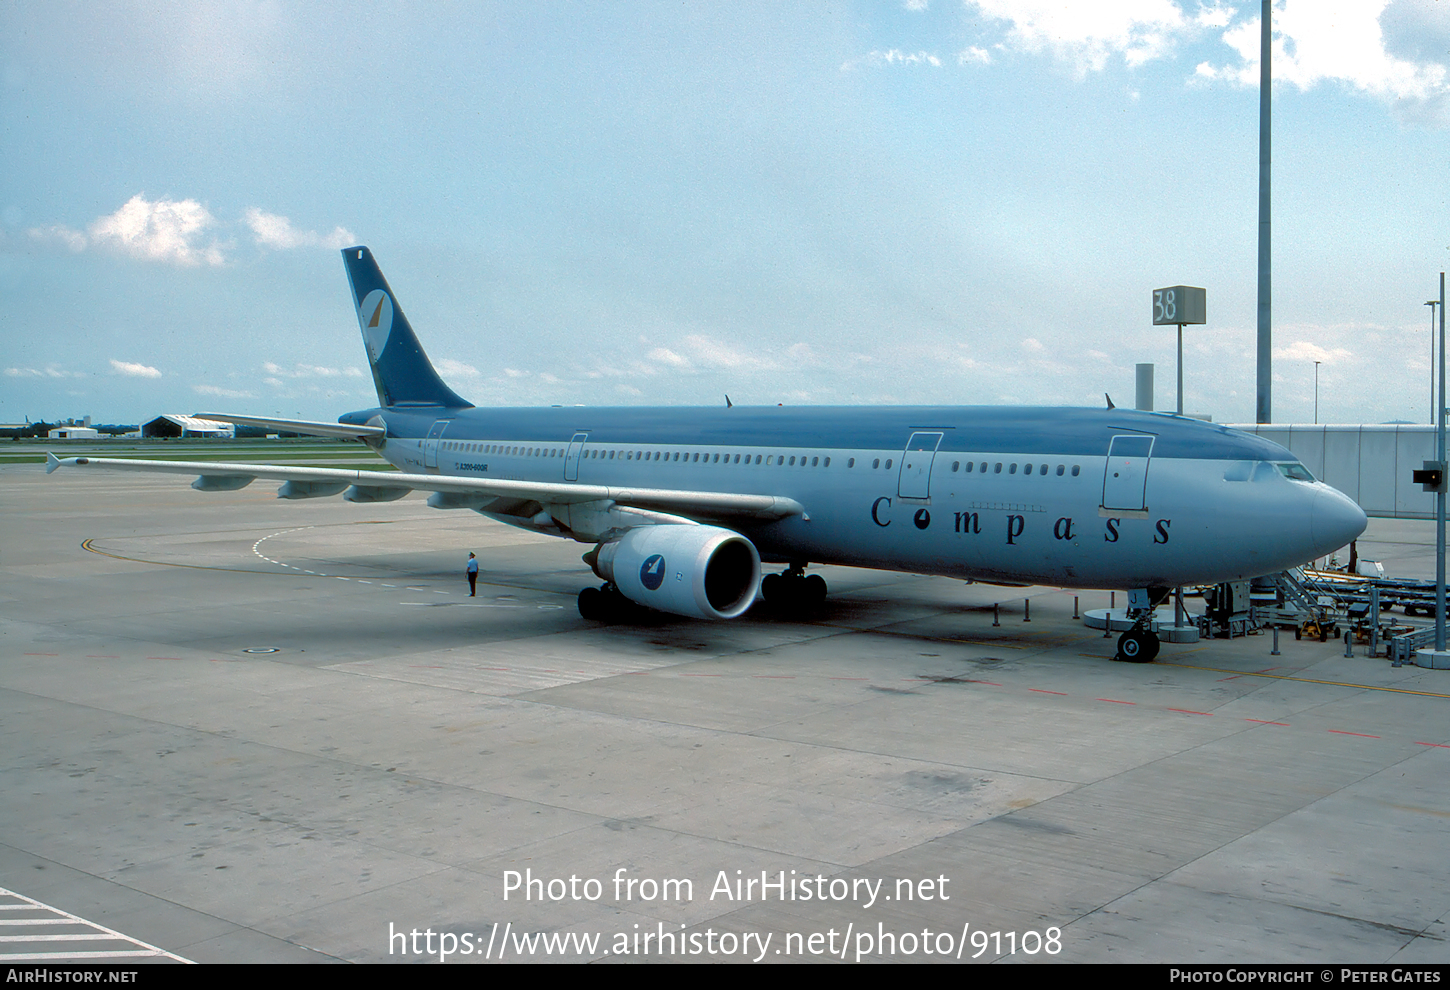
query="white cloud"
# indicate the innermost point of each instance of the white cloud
(1303, 350)
(72, 239)
(225, 393)
(274, 231)
(50, 371)
(1344, 41)
(713, 354)
(895, 56)
(159, 230)
(134, 370)
(309, 371)
(449, 368)
(1087, 35)
(666, 356)
(972, 55)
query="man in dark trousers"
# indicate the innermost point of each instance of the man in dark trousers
(472, 576)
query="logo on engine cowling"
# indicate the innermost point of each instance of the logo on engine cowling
(652, 572)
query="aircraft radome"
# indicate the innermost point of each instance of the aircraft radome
(683, 504)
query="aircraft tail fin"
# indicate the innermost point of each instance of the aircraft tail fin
(401, 370)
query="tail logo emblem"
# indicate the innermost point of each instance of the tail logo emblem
(375, 316)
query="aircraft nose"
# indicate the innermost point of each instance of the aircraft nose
(1334, 520)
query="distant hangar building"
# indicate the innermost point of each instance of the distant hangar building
(178, 426)
(73, 433)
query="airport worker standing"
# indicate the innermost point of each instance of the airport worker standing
(472, 575)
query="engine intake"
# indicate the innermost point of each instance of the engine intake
(703, 572)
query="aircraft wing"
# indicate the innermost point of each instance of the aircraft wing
(308, 427)
(488, 495)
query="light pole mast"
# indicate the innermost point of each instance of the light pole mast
(1432, 304)
(1266, 376)
(1316, 393)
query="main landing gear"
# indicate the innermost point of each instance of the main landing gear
(606, 604)
(1140, 643)
(793, 589)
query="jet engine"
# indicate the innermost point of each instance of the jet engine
(703, 572)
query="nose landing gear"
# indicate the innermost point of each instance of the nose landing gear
(1138, 646)
(1140, 643)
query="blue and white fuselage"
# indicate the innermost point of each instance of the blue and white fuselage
(684, 504)
(1020, 495)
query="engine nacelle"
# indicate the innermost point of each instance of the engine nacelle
(703, 572)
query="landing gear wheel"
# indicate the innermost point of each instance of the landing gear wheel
(793, 590)
(592, 605)
(606, 604)
(1136, 646)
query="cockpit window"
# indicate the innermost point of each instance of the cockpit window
(1294, 471)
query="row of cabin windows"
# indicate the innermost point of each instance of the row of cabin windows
(1012, 468)
(695, 458)
(706, 458)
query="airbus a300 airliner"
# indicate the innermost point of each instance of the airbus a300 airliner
(683, 505)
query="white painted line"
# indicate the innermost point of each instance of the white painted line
(98, 933)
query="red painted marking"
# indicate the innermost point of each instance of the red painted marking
(1233, 678)
(505, 669)
(1262, 722)
(1441, 745)
(1360, 734)
(991, 683)
(1045, 691)
(1115, 701)
(1188, 711)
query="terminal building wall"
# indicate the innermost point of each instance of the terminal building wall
(1370, 464)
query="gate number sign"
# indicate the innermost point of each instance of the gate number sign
(1179, 304)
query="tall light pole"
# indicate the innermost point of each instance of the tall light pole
(1440, 495)
(1432, 304)
(1266, 351)
(1316, 393)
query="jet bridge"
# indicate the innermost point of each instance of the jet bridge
(1369, 463)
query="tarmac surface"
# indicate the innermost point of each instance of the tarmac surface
(237, 729)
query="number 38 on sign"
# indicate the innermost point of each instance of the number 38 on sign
(1179, 304)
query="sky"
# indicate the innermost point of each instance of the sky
(930, 201)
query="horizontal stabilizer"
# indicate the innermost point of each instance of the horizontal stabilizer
(309, 427)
